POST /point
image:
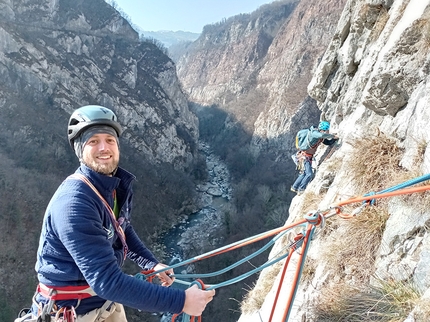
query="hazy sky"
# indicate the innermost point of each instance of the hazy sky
(185, 15)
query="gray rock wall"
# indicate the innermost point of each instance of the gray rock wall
(373, 78)
(60, 55)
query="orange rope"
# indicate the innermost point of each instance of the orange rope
(384, 195)
(334, 210)
(338, 211)
(251, 241)
(284, 270)
(297, 274)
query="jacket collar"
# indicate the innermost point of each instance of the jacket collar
(106, 184)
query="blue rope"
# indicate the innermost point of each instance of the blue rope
(399, 186)
(238, 263)
(235, 279)
(208, 254)
(240, 277)
(297, 244)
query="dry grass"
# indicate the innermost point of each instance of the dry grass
(351, 255)
(421, 150)
(350, 246)
(309, 270)
(310, 202)
(375, 163)
(355, 249)
(420, 201)
(380, 24)
(424, 25)
(254, 299)
(389, 301)
(422, 310)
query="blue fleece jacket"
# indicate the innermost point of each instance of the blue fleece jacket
(78, 246)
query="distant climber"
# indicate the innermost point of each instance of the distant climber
(307, 142)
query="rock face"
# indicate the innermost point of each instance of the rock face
(257, 67)
(60, 54)
(373, 78)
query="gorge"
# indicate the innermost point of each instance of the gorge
(245, 87)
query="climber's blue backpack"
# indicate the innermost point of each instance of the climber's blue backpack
(303, 140)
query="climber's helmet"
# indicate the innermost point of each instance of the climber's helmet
(324, 126)
(88, 116)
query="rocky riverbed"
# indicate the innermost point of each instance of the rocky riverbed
(199, 231)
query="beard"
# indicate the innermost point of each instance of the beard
(103, 168)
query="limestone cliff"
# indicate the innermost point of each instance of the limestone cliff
(372, 83)
(257, 67)
(59, 55)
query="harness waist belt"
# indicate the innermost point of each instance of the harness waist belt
(306, 154)
(65, 292)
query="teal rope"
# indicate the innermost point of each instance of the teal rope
(399, 186)
(239, 278)
(311, 220)
(208, 254)
(186, 317)
(407, 183)
(238, 263)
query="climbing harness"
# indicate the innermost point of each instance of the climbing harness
(299, 244)
(49, 311)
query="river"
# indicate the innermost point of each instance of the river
(198, 227)
(201, 227)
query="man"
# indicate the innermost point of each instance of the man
(87, 235)
(315, 138)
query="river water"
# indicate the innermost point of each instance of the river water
(198, 227)
(201, 227)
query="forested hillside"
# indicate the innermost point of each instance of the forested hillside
(56, 56)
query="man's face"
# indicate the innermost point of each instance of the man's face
(101, 153)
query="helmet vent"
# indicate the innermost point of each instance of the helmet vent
(73, 122)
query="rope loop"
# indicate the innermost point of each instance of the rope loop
(314, 217)
(371, 201)
(143, 275)
(199, 284)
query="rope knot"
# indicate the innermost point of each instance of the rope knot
(314, 218)
(371, 201)
(145, 275)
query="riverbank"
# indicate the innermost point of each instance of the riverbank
(200, 231)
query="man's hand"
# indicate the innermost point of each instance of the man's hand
(164, 276)
(196, 300)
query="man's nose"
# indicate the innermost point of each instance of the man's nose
(103, 146)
